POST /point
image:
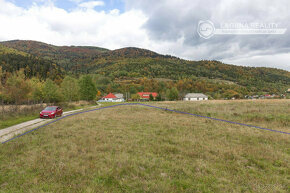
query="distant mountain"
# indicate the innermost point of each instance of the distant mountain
(136, 63)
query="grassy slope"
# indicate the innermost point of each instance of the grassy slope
(137, 149)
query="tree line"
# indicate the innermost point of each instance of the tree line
(18, 88)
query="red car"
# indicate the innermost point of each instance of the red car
(51, 112)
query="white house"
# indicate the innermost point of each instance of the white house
(113, 98)
(195, 97)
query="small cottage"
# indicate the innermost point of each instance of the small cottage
(113, 98)
(195, 97)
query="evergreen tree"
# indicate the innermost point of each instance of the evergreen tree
(87, 88)
(158, 98)
(151, 98)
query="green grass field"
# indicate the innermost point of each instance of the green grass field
(139, 149)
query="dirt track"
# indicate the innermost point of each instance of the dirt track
(10, 132)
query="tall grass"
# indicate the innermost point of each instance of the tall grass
(139, 149)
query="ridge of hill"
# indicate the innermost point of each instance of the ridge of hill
(12, 60)
(136, 63)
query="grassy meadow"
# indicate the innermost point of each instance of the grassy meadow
(140, 149)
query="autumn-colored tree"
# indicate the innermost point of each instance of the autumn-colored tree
(135, 96)
(36, 93)
(17, 88)
(231, 93)
(99, 93)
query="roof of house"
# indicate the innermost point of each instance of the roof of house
(195, 95)
(110, 96)
(119, 95)
(146, 95)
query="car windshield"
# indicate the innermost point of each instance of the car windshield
(50, 109)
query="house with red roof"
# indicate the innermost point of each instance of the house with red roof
(146, 95)
(113, 98)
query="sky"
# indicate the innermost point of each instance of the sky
(164, 26)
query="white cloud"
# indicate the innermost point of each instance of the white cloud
(172, 21)
(165, 27)
(54, 25)
(276, 60)
(91, 4)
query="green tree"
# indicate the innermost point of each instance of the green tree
(1, 86)
(151, 98)
(133, 90)
(51, 92)
(17, 88)
(158, 98)
(1, 75)
(70, 89)
(172, 94)
(36, 93)
(87, 88)
(135, 96)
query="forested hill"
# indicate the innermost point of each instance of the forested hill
(66, 56)
(136, 63)
(12, 60)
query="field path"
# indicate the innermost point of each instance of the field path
(9, 132)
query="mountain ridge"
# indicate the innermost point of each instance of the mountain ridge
(137, 62)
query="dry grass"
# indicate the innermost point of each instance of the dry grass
(138, 149)
(22, 108)
(14, 114)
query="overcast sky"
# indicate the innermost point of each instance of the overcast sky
(164, 26)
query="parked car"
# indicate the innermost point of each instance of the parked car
(51, 112)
